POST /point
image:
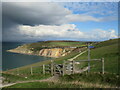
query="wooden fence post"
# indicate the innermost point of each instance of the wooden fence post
(102, 65)
(31, 71)
(63, 68)
(43, 69)
(54, 69)
(40, 69)
(51, 67)
(17, 71)
(73, 66)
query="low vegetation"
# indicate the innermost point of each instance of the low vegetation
(45, 85)
(10, 78)
(83, 80)
(105, 79)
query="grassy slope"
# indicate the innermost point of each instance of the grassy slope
(45, 85)
(95, 78)
(90, 80)
(107, 50)
(107, 43)
(9, 78)
(52, 44)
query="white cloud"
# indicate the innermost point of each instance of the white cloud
(44, 31)
(78, 18)
(66, 31)
(99, 34)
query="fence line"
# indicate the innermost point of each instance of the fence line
(67, 67)
(71, 66)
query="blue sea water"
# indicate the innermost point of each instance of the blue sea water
(14, 60)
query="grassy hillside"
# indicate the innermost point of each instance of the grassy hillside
(60, 85)
(44, 85)
(83, 80)
(107, 43)
(107, 50)
(95, 78)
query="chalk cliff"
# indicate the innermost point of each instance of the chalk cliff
(52, 52)
(55, 52)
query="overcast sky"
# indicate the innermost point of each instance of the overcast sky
(36, 21)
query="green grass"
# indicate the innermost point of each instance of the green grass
(107, 43)
(12, 78)
(105, 79)
(83, 80)
(107, 50)
(9, 78)
(44, 85)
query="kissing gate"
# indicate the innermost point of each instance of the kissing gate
(68, 67)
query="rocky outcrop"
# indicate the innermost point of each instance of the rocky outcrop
(55, 52)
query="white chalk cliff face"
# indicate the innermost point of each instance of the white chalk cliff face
(55, 52)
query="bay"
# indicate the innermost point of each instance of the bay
(14, 60)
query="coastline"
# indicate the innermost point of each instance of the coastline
(23, 49)
(15, 51)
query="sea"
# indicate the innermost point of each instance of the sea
(15, 60)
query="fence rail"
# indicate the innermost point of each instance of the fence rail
(67, 67)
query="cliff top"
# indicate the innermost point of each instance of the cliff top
(61, 41)
(52, 44)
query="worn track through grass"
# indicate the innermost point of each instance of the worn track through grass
(56, 80)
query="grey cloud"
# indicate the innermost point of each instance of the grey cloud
(34, 13)
(15, 14)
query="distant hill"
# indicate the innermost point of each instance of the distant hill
(53, 44)
(108, 42)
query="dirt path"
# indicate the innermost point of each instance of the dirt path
(77, 55)
(51, 79)
(56, 80)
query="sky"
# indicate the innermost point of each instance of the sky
(80, 21)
